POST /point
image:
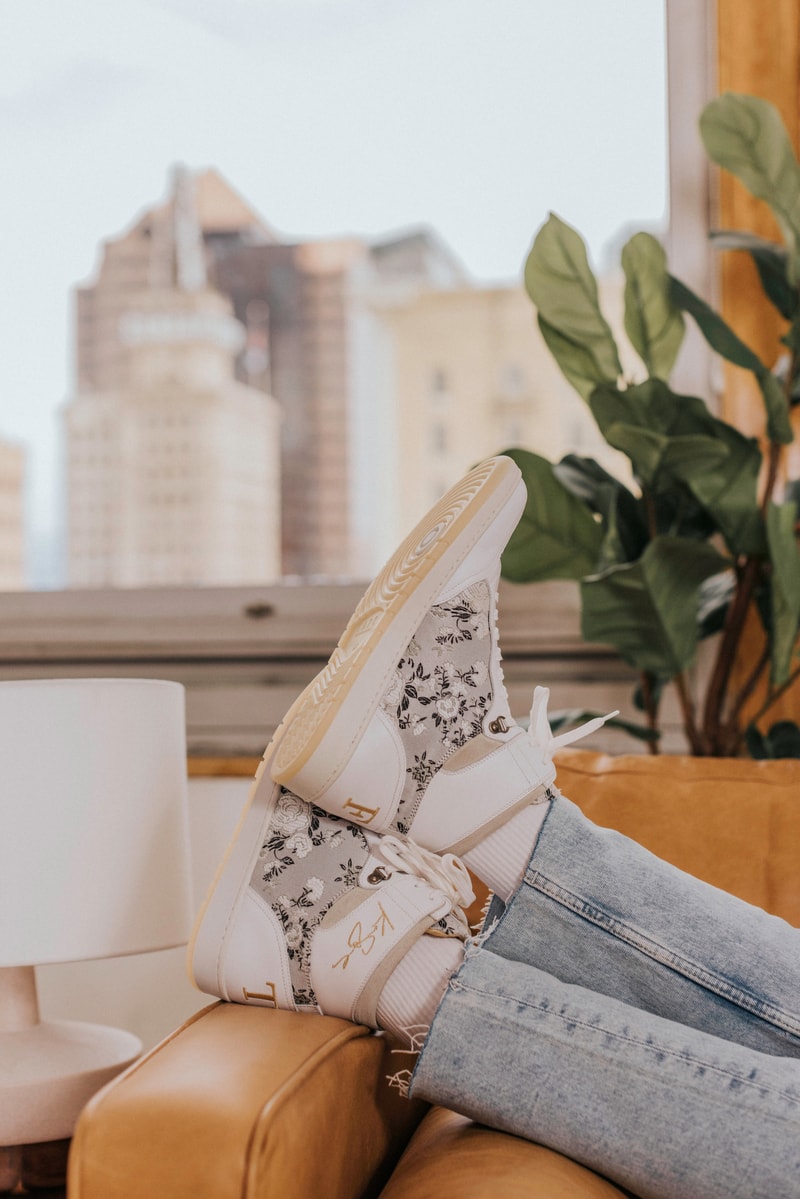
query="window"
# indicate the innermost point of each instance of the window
(198, 625)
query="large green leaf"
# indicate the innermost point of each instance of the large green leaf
(653, 323)
(746, 136)
(659, 459)
(722, 338)
(785, 589)
(779, 427)
(677, 512)
(576, 361)
(560, 282)
(716, 331)
(782, 741)
(771, 261)
(621, 511)
(673, 439)
(648, 609)
(557, 536)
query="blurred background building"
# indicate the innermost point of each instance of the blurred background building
(172, 461)
(214, 358)
(12, 544)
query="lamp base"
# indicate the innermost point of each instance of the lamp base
(49, 1071)
(38, 1168)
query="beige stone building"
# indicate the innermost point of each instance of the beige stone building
(466, 375)
(12, 538)
(173, 471)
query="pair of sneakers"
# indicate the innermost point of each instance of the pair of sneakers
(400, 755)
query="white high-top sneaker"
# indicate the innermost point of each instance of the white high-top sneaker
(312, 913)
(408, 729)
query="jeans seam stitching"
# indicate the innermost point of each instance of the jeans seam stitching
(718, 985)
(688, 1059)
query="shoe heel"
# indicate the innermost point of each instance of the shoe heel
(206, 951)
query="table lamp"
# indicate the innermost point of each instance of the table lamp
(94, 863)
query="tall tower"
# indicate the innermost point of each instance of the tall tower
(172, 463)
(330, 366)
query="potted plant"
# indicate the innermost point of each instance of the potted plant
(707, 534)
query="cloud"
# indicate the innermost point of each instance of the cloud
(70, 96)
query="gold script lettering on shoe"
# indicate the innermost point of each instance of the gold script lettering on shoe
(361, 940)
(361, 814)
(267, 997)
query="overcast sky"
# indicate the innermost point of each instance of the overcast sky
(330, 117)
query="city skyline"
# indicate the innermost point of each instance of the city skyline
(248, 408)
(475, 125)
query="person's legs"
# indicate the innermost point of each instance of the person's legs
(597, 910)
(665, 1110)
(310, 912)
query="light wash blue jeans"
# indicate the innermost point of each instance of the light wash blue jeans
(631, 1017)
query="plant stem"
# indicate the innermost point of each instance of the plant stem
(689, 721)
(731, 637)
(731, 734)
(714, 734)
(650, 709)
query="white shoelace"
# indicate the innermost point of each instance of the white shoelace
(539, 729)
(541, 734)
(446, 873)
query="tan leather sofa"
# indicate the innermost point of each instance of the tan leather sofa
(259, 1104)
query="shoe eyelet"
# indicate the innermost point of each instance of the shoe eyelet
(499, 725)
(378, 875)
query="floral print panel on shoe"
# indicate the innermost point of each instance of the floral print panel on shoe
(441, 690)
(308, 860)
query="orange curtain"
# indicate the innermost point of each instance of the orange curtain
(758, 52)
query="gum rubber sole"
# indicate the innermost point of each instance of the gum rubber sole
(384, 621)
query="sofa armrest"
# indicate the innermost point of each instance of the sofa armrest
(451, 1157)
(246, 1103)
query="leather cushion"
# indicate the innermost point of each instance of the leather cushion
(450, 1155)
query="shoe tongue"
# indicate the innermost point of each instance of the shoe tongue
(454, 924)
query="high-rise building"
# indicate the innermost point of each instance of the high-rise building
(311, 305)
(172, 462)
(12, 541)
(393, 371)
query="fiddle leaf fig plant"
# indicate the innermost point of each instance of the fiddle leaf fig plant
(707, 533)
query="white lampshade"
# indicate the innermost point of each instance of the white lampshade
(94, 862)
